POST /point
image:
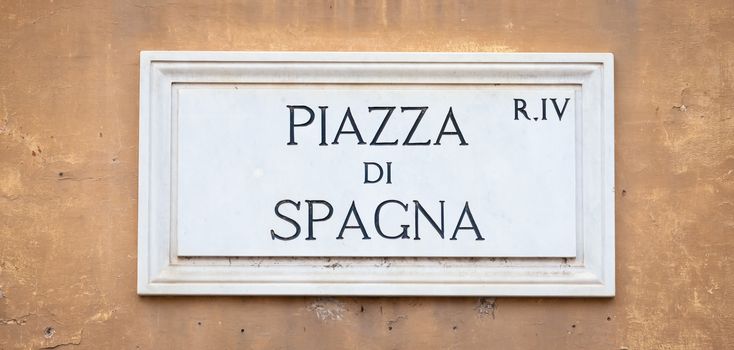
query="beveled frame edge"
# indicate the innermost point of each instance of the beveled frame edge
(157, 274)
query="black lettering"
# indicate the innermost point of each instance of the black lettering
(366, 172)
(389, 173)
(544, 104)
(311, 219)
(457, 131)
(473, 226)
(560, 112)
(293, 121)
(355, 130)
(521, 109)
(360, 226)
(415, 126)
(419, 208)
(404, 233)
(382, 126)
(274, 235)
(323, 125)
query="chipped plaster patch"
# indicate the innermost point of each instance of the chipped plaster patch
(486, 307)
(328, 309)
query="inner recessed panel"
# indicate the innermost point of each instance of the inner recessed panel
(485, 171)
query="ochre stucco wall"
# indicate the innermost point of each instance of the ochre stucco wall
(68, 175)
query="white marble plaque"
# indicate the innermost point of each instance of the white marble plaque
(376, 174)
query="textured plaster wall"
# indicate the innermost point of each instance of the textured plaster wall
(68, 174)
